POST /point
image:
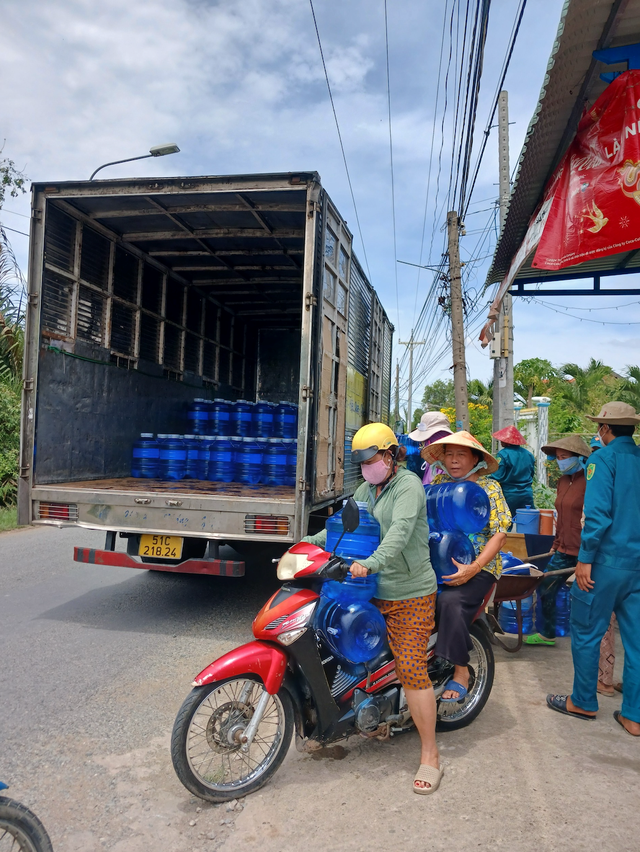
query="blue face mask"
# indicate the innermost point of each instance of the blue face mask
(570, 465)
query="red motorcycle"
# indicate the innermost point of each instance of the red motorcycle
(235, 727)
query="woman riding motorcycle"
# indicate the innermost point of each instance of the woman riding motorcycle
(407, 583)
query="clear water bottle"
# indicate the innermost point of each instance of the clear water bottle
(249, 462)
(262, 419)
(198, 417)
(508, 616)
(286, 420)
(355, 545)
(355, 632)
(241, 416)
(462, 506)
(274, 462)
(291, 447)
(447, 545)
(222, 467)
(219, 417)
(173, 458)
(146, 453)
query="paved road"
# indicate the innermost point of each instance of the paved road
(96, 662)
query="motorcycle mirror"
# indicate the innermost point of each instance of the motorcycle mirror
(350, 516)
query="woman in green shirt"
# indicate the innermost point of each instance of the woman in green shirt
(407, 583)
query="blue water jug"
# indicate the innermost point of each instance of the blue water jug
(511, 564)
(221, 462)
(460, 506)
(355, 632)
(563, 611)
(241, 415)
(292, 461)
(286, 420)
(274, 462)
(508, 616)
(528, 520)
(219, 417)
(352, 590)
(198, 417)
(146, 453)
(415, 462)
(356, 545)
(173, 458)
(193, 466)
(447, 545)
(248, 459)
(262, 418)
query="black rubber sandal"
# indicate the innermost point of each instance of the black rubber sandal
(559, 703)
(616, 716)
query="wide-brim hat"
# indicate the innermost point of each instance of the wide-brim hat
(435, 452)
(616, 413)
(510, 435)
(572, 444)
(430, 423)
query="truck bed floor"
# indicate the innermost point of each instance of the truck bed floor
(183, 486)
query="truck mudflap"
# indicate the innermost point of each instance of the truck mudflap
(216, 567)
(267, 661)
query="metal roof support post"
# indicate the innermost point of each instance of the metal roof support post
(503, 365)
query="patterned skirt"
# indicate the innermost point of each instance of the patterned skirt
(409, 625)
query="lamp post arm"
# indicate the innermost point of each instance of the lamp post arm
(117, 162)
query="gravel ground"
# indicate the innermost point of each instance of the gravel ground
(96, 662)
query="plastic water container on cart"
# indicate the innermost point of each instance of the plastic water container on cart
(262, 418)
(286, 420)
(563, 611)
(198, 417)
(415, 462)
(145, 457)
(527, 520)
(274, 462)
(173, 458)
(355, 545)
(219, 417)
(511, 564)
(222, 466)
(291, 447)
(462, 506)
(241, 415)
(446, 545)
(508, 615)
(248, 459)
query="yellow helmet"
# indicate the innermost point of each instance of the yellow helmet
(369, 440)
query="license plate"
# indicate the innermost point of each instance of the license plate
(163, 546)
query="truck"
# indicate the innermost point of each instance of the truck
(144, 294)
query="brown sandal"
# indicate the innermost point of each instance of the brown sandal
(603, 689)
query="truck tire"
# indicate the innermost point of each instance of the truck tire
(452, 717)
(206, 748)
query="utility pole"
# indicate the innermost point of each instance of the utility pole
(457, 325)
(411, 344)
(503, 363)
(397, 408)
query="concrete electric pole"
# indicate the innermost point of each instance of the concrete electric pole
(457, 325)
(411, 344)
(503, 362)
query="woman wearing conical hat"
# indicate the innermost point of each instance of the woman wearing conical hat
(515, 473)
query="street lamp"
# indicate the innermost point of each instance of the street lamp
(156, 151)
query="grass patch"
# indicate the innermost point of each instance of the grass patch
(8, 518)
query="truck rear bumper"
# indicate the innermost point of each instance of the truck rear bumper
(216, 567)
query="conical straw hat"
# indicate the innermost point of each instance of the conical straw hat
(572, 443)
(435, 452)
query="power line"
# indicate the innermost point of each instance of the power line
(393, 190)
(7, 228)
(344, 156)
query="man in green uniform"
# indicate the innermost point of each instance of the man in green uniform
(608, 569)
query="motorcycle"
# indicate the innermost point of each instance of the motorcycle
(20, 828)
(235, 727)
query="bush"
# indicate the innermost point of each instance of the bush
(9, 444)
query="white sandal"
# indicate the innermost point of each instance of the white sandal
(430, 775)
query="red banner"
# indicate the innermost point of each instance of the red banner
(595, 191)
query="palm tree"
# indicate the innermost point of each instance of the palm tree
(11, 315)
(579, 382)
(631, 387)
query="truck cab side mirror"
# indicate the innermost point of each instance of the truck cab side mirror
(350, 516)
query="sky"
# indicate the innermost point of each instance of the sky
(239, 85)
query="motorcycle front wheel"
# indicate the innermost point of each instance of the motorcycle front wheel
(206, 743)
(459, 714)
(20, 829)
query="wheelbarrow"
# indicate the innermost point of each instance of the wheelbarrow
(517, 587)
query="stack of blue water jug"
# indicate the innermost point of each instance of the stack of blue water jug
(252, 443)
(455, 510)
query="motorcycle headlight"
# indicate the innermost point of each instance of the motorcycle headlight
(290, 564)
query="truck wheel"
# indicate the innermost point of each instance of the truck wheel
(457, 715)
(20, 829)
(206, 743)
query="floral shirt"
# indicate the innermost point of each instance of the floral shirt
(499, 518)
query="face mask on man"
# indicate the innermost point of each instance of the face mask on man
(375, 473)
(570, 465)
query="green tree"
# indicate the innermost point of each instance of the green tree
(480, 393)
(630, 389)
(12, 180)
(580, 382)
(533, 377)
(438, 395)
